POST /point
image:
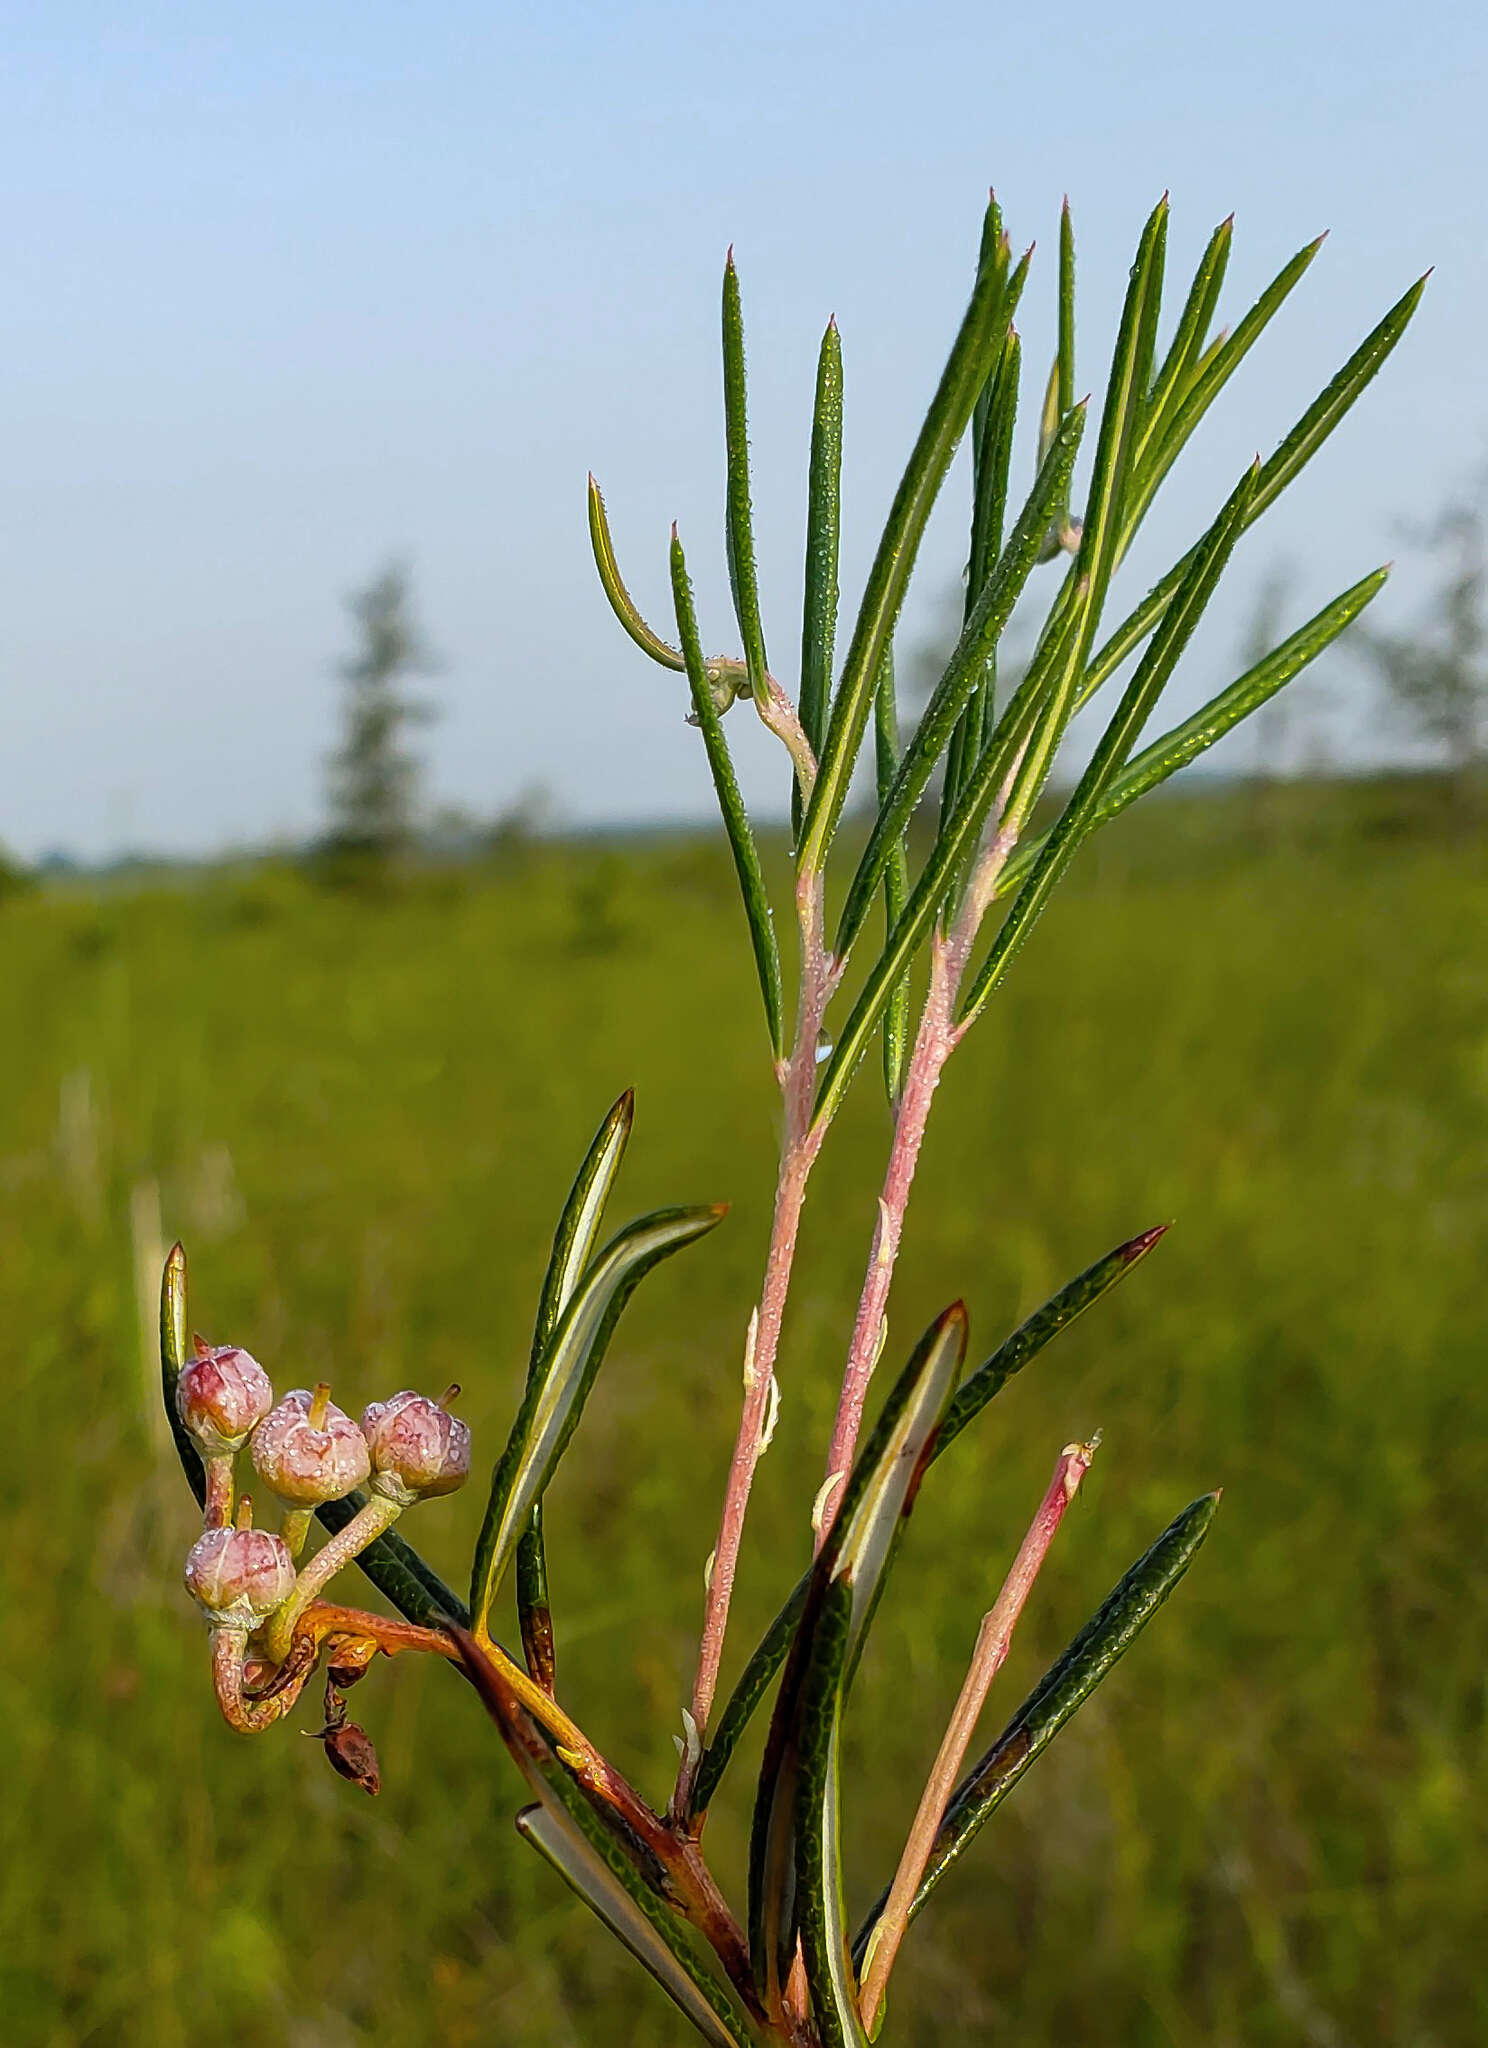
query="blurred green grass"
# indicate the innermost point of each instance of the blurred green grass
(1268, 1828)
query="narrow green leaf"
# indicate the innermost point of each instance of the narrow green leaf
(1103, 1641)
(1049, 414)
(896, 879)
(1164, 448)
(607, 1867)
(820, 1905)
(990, 473)
(980, 1387)
(173, 1362)
(957, 840)
(743, 576)
(994, 454)
(1280, 468)
(1126, 388)
(1334, 401)
(1037, 1330)
(731, 804)
(792, 1887)
(573, 1246)
(1186, 349)
(823, 535)
(989, 616)
(1076, 821)
(971, 357)
(555, 1395)
(1065, 359)
(1077, 611)
(993, 253)
(1220, 715)
(621, 602)
(658, 1940)
(579, 1224)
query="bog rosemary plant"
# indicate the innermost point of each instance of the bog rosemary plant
(959, 856)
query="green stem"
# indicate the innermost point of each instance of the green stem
(365, 1526)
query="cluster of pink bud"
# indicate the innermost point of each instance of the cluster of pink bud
(307, 1452)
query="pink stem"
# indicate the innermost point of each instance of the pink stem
(935, 1040)
(800, 1144)
(992, 1644)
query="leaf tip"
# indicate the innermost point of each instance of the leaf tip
(1138, 1247)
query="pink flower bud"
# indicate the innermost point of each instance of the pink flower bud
(239, 1575)
(306, 1461)
(221, 1397)
(418, 1448)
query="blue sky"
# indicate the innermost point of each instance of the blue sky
(294, 289)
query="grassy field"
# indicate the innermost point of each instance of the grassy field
(1267, 1829)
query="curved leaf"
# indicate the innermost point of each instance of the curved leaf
(555, 1394)
(573, 1246)
(621, 601)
